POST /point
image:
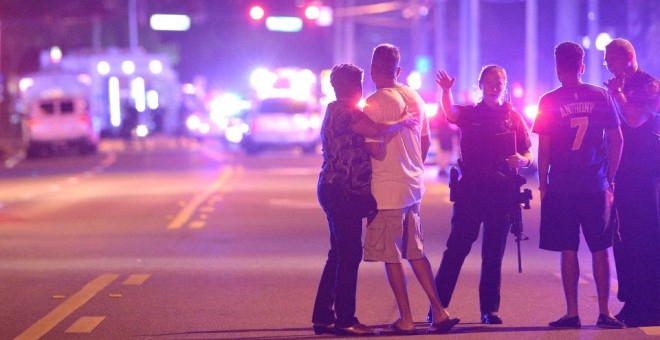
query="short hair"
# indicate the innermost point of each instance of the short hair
(491, 68)
(569, 56)
(344, 78)
(621, 47)
(386, 58)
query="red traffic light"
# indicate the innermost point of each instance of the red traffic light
(312, 12)
(257, 12)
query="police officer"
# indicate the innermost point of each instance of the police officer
(494, 144)
(637, 94)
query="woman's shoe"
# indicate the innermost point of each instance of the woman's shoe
(323, 329)
(564, 322)
(356, 330)
(394, 329)
(443, 326)
(491, 318)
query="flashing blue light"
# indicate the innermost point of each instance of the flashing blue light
(423, 64)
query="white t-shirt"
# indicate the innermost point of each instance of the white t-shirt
(397, 180)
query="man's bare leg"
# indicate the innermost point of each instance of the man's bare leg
(424, 273)
(396, 276)
(601, 267)
(570, 273)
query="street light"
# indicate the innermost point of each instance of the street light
(169, 22)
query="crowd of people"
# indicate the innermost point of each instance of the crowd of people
(590, 137)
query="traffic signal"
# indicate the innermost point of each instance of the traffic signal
(318, 14)
(312, 12)
(257, 12)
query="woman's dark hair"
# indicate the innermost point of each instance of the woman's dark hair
(344, 78)
(491, 68)
(569, 57)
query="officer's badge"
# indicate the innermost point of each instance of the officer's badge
(653, 88)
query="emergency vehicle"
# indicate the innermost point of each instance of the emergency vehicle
(120, 89)
(286, 111)
(56, 108)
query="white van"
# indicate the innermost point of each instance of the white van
(60, 123)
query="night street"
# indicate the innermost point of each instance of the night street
(167, 239)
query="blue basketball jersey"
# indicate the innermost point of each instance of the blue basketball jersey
(575, 119)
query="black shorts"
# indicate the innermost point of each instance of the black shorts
(562, 216)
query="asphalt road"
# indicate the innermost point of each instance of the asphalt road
(182, 240)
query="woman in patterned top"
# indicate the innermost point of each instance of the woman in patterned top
(344, 182)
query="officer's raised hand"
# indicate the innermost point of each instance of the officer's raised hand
(444, 80)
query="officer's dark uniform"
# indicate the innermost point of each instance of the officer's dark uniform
(637, 198)
(488, 136)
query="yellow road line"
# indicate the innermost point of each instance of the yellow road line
(655, 330)
(184, 215)
(197, 224)
(48, 322)
(85, 324)
(136, 279)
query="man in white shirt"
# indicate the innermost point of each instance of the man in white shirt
(395, 232)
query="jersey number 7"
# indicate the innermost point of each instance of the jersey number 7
(581, 123)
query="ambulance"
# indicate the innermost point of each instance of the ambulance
(56, 108)
(286, 112)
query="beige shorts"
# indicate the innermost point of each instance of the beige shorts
(393, 235)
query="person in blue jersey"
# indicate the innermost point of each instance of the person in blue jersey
(637, 190)
(580, 145)
(344, 187)
(494, 144)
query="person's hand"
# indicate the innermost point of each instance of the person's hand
(408, 119)
(444, 80)
(542, 190)
(517, 161)
(614, 84)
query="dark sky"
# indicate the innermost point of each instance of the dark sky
(224, 45)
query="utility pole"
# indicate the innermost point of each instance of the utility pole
(440, 34)
(531, 51)
(468, 50)
(132, 25)
(344, 33)
(593, 55)
(566, 25)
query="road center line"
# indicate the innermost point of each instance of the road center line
(184, 215)
(653, 330)
(48, 322)
(136, 279)
(85, 324)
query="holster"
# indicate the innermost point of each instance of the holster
(453, 184)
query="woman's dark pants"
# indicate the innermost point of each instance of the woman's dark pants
(339, 279)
